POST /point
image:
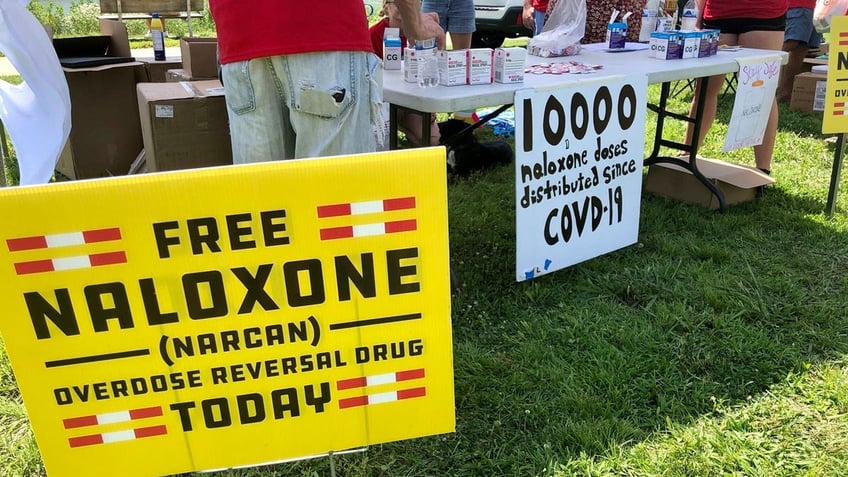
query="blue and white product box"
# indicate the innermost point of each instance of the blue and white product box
(616, 35)
(705, 49)
(668, 44)
(714, 41)
(509, 65)
(391, 49)
(690, 43)
(410, 65)
(452, 67)
(480, 65)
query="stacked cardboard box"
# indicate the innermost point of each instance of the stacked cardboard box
(184, 125)
(105, 132)
(808, 92)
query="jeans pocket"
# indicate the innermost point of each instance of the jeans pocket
(239, 92)
(324, 85)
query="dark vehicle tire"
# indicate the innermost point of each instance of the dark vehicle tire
(487, 39)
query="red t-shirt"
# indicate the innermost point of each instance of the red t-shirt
(260, 28)
(811, 4)
(377, 31)
(540, 5)
(726, 9)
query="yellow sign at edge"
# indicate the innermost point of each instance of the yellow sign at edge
(233, 316)
(835, 118)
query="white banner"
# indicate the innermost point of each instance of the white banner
(578, 176)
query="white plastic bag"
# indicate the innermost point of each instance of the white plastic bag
(37, 112)
(825, 9)
(562, 32)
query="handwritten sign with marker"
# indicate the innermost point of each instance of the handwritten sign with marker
(182, 316)
(755, 88)
(578, 171)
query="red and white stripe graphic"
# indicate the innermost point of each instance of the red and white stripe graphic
(70, 263)
(843, 38)
(117, 436)
(112, 418)
(366, 230)
(387, 378)
(380, 398)
(379, 379)
(368, 207)
(54, 264)
(63, 240)
(839, 112)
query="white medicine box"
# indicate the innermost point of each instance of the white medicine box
(509, 65)
(452, 67)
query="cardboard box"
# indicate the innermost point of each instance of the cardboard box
(452, 67)
(200, 57)
(177, 75)
(184, 125)
(481, 65)
(737, 183)
(808, 92)
(509, 65)
(157, 71)
(105, 131)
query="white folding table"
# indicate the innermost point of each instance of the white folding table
(401, 94)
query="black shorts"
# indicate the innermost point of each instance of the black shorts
(737, 26)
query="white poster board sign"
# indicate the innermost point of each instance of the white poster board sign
(578, 171)
(755, 89)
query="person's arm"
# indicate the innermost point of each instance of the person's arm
(417, 26)
(527, 16)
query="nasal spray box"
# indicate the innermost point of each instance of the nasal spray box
(391, 49)
(509, 65)
(452, 67)
(480, 66)
(410, 65)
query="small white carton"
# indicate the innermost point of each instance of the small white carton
(509, 65)
(452, 67)
(391, 49)
(691, 43)
(480, 66)
(410, 65)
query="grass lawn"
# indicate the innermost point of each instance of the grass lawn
(714, 346)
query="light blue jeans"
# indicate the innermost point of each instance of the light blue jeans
(305, 105)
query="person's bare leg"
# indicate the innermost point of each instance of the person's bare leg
(710, 101)
(767, 40)
(460, 41)
(797, 52)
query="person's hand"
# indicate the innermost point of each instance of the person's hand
(420, 26)
(430, 28)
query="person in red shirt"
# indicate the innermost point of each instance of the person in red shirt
(799, 37)
(533, 16)
(750, 24)
(409, 122)
(304, 89)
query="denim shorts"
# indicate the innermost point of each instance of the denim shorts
(455, 16)
(799, 27)
(304, 105)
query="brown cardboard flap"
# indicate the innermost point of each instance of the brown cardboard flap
(740, 176)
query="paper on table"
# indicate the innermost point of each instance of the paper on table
(628, 46)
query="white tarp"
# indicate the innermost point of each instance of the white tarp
(37, 112)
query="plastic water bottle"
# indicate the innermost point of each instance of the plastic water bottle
(428, 63)
(690, 16)
(157, 34)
